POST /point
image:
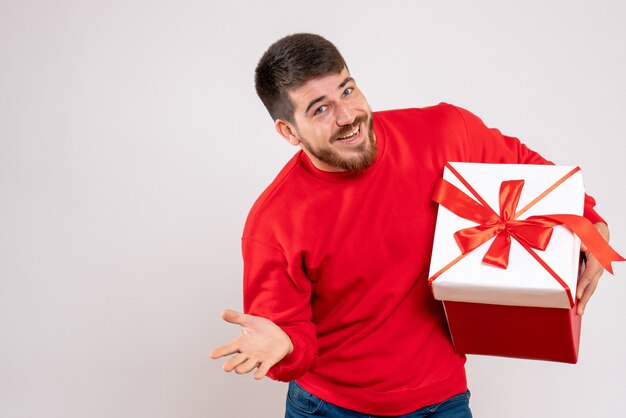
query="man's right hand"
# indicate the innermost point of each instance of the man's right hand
(261, 345)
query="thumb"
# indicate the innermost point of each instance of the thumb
(233, 317)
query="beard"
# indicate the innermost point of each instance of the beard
(365, 153)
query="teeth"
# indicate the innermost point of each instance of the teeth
(356, 131)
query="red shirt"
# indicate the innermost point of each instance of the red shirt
(340, 262)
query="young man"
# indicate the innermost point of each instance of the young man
(336, 250)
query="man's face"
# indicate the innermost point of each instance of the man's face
(333, 123)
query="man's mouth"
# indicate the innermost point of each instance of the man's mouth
(352, 136)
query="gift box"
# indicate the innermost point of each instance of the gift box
(506, 255)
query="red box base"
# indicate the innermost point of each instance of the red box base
(514, 331)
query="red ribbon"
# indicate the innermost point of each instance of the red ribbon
(534, 232)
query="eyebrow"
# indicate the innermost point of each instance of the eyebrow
(321, 98)
(346, 81)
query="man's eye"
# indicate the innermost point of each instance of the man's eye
(347, 91)
(320, 110)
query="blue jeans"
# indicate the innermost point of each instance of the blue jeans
(302, 404)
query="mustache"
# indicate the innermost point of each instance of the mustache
(349, 128)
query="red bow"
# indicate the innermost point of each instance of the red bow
(534, 232)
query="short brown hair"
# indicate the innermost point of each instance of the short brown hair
(289, 63)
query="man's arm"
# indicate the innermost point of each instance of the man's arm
(277, 288)
(490, 146)
(278, 335)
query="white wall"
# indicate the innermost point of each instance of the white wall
(132, 145)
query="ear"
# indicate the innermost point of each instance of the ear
(287, 131)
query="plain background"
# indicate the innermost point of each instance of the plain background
(132, 145)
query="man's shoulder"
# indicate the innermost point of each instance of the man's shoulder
(276, 197)
(440, 119)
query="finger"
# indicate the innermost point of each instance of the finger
(590, 288)
(235, 361)
(583, 282)
(247, 366)
(225, 350)
(263, 369)
(233, 317)
(592, 269)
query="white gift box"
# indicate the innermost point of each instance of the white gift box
(525, 281)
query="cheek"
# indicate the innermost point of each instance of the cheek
(320, 132)
(323, 132)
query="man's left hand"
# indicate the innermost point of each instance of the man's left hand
(590, 276)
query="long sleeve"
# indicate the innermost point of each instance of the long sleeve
(490, 146)
(277, 290)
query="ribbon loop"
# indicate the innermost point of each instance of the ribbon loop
(461, 204)
(510, 192)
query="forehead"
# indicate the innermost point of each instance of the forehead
(326, 85)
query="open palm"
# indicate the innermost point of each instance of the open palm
(260, 345)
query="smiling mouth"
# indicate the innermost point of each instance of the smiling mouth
(351, 136)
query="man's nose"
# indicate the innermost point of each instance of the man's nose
(345, 115)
